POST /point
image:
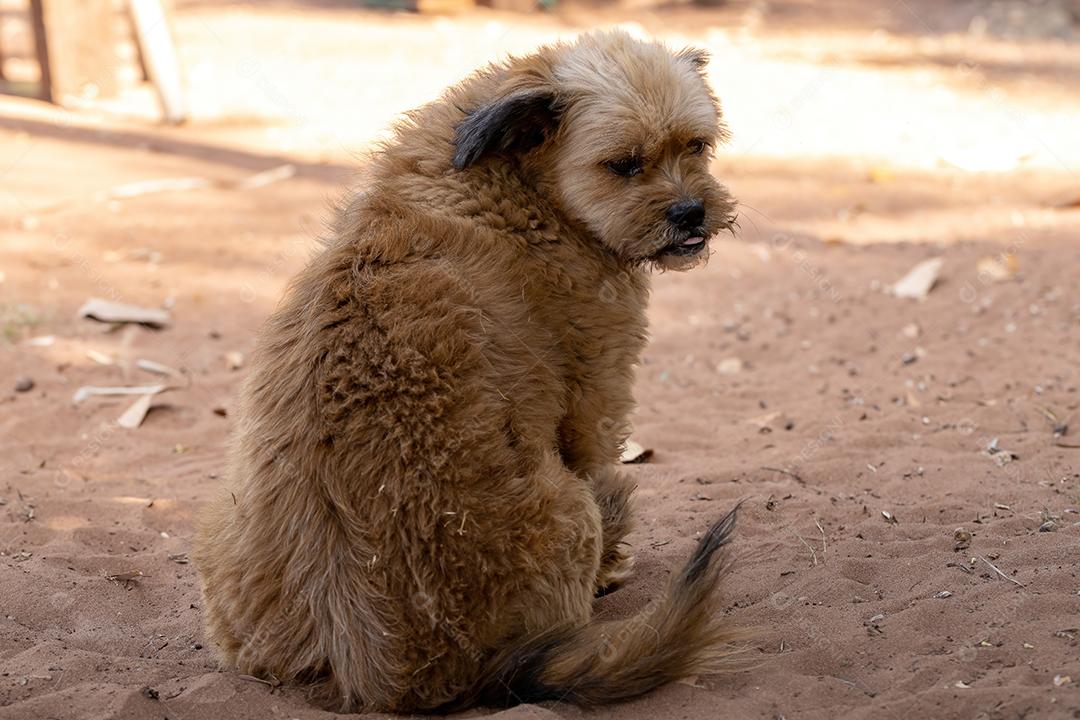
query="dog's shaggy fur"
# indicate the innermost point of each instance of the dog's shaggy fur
(423, 497)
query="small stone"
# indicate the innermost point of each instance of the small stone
(730, 366)
(24, 384)
(962, 539)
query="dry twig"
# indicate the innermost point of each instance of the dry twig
(995, 568)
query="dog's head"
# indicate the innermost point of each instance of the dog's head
(623, 131)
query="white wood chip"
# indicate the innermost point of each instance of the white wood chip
(136, 413)
(114, 312)
(919, 281)
(87, 391)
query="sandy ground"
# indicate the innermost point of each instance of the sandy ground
(782, 374)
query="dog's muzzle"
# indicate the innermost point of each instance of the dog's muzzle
(692, 244)
(687, 216)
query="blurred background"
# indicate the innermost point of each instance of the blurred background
(877, 87)
(886, 350)
(980, 85)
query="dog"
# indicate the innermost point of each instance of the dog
(423, 498)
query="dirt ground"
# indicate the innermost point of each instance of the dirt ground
(861, 429)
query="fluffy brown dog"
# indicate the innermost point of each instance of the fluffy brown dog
(423, 496)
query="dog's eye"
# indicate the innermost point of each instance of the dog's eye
(697, 146)
(625, 167)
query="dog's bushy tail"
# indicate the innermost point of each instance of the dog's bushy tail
(675, 636)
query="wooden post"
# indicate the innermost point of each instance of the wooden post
(157, 54)
(76, 47)
(41, 50)
(2, 78)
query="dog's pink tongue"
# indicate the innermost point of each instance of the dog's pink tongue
(693, 240)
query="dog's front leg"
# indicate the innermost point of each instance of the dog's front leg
(612, 490)
(592, 455)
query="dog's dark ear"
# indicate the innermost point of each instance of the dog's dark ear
(695, 56)
(516, 122)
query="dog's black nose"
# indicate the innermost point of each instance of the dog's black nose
(687, 214)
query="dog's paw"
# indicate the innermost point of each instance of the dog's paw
(614, 573)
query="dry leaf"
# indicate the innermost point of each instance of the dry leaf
(919, 280)
(998, 268)
(634, 453)
(692, 681)
(114, 312)
(125, 577)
